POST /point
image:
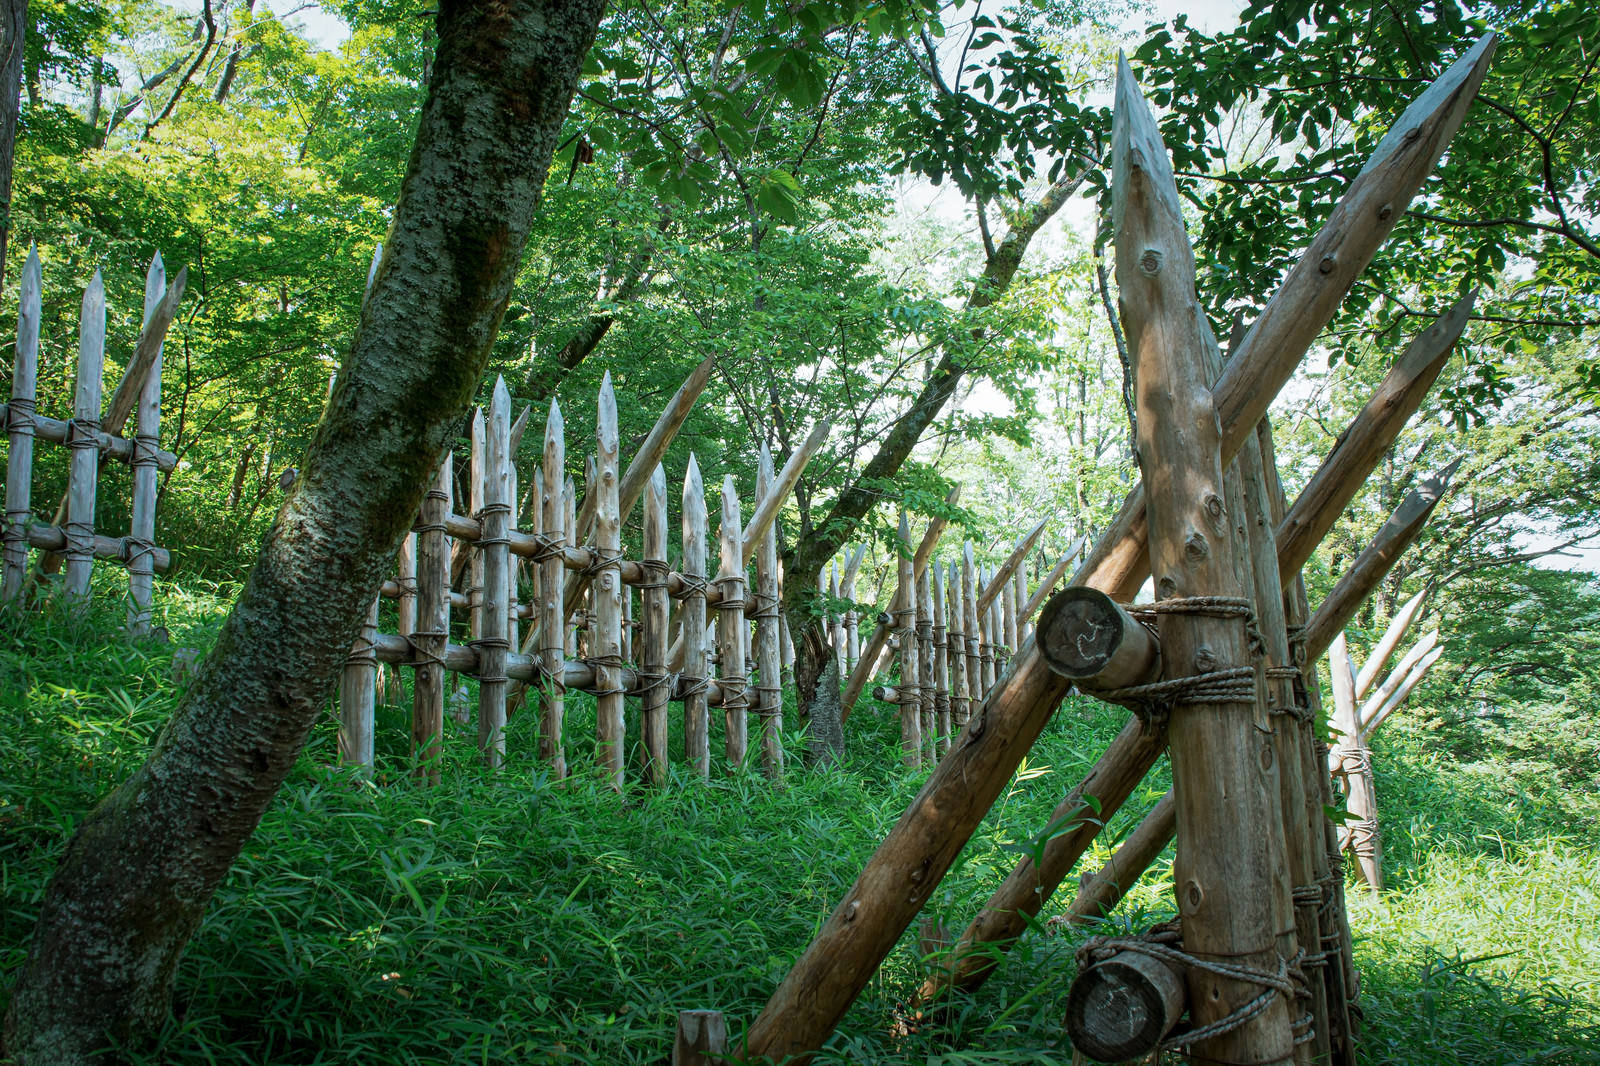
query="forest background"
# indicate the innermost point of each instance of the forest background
(756, 184)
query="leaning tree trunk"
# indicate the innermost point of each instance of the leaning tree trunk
(135, 879)
(803, 563)
(13, 32)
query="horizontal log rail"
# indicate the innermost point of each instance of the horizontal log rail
(118, 449)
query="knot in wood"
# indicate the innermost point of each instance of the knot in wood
(1411, 134)
(1327, 264)
(1150, 262)
(1385, 212)
(1193, 895)
(1205, 660)
(1195, 547)
(1214, 506)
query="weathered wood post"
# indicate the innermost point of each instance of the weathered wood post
(83, 437)
(769, 693)
(702, 1038)
(909, 689)
(146, 442)
(867, 664)
(493, 642)
(852, 617)
(731, 675)
(941, 663)
(1361, 834)
(1222, 766)
(696, 716)
(552, 605)
(358, 691)
(605, 647)
(432, 635)
(20, 431)
(654, 680)
(925, 676)
(974, 631)
(956, 653)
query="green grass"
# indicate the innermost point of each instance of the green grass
(511, 918)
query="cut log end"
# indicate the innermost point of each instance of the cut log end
(1120, 1009)
(1083, 634)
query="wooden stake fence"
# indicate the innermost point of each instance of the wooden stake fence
(615, 663)
(93, 441)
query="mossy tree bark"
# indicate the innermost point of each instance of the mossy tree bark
(135, 879)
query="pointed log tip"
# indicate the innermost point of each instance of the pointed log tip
(1436, 101)
(501, 392)
(658, 480)
(553, 419)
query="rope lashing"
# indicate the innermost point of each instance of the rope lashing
(1232, 685)
(612, 662)
(1299, 710)
(82, 434)
(547, 547)
(19, 415)
(1163, 943)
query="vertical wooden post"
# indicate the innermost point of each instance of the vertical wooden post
(569, 500)
(626, 593)
(477, 471)
(769, 694)
(146, 440)
(605, 639)
(696, 717)
(552, 604)
(941, 662)
(358, 691)
(83, 437)
(19, 431)
(956, 655)
(432, 634)
(493, 562)
(1298, 925)
(1019, 600)
(925, 693)
(653, 677)
(731, 627)
(905, 621)
(514, 564)
(852, 617)
(702, 1039)
(969, 624)
(1008, 612)
(1360, 835)
(840, 651)
(1222, 761)
(988, 657)
(997, 621)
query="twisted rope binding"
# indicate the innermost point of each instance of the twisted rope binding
(145, 447)
(1162, 943)
(422, 653)
(136, 550)
(692, 587)
(420, 526)
(484, 540)
(363, 650)
(19, 415)
(547, 547)
(600, 559)
(82, 434)
(612, 662)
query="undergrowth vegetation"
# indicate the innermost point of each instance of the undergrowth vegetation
(511, 918)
